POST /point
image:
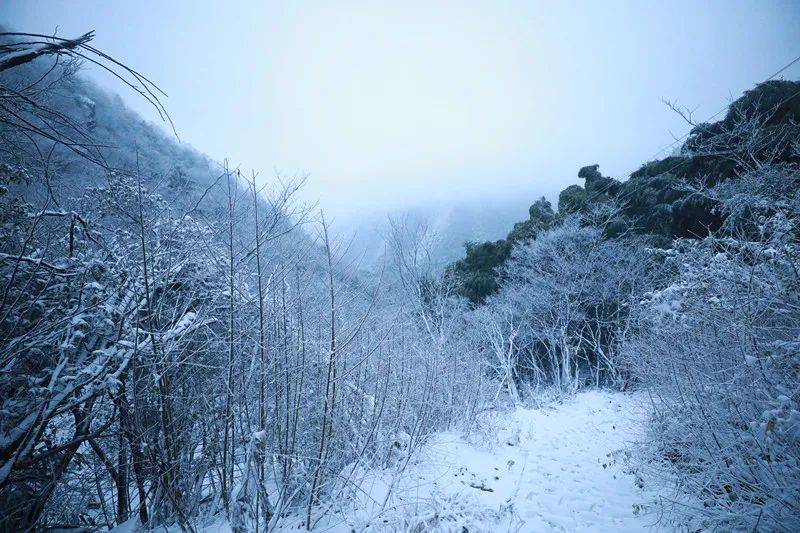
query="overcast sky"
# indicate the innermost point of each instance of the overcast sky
(393, 105)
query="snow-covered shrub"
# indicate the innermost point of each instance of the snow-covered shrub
(447, 513)
(486, 427)
(562, 312)
(719, 349)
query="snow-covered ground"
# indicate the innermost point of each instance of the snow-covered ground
(556, 469)
(551, 469)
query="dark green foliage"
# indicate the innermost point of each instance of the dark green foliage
(540, 218)
(590, 173)
(658, 200)
(777, 100)
(599, 188)
(764, 120)
(694, 216)
(475, 274)
(673, 165)
(648, 200)
(615, 227)
(702, 169)
(541, 211)
(573, 199)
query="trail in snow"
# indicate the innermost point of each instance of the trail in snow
(559, 469)
(528, 470)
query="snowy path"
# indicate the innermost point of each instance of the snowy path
(547, 470)
(562, 469)
(529, 470)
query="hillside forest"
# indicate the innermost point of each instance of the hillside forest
(185, 342)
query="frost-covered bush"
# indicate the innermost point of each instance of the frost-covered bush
(719, 349)
(563, 312)
(151, 324)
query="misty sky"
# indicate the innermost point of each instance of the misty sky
(388, 106)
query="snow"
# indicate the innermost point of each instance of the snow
(134, 526)
(130, 526)
(560, 468)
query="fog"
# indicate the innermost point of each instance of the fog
(392, 107)
(526, 343)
